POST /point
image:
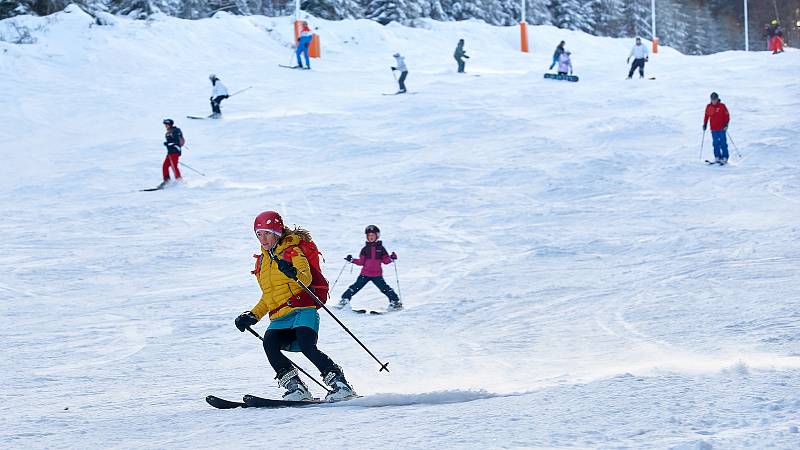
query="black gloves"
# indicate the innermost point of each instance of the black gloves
(349, 258)
(704, 127)
(394, 68)
(245, 319)
(393, 255)
(287, 268)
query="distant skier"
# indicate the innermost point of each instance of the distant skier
(459, 55)
(371, 257)
(303, 43)
(776, 37)
(173, 141)
(557, 54)
(717, 114)
(565, 63)
(294, 321)
(640, 56)
(218, 93)
(401, 67)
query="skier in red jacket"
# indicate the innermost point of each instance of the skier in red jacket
(717, 114)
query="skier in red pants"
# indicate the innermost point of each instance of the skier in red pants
(173, 141)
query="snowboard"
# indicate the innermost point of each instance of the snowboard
(555, 76)
(293, 67)
(397, 93)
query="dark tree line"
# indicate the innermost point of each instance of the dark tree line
(692, 26)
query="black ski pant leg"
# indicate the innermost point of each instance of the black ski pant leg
(637, 63)
(307, 339)
(274, 340)
(641, 68)
(361, 281)
(460, 65)
(385, 289)
(402, 80)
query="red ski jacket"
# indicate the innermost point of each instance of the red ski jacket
(717, 115)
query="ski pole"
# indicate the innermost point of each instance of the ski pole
(340, 274)
(190, 168)
(702, 142)
(734, 145)
(322, 305)
(397, 277)
(255, 333)
(240, 91)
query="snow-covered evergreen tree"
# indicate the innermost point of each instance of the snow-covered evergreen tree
(573, 14)
(333, 9)
(385, 11)
(636, 21)
(609, 18)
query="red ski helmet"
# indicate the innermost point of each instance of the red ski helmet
(372, 229)
(269, 221)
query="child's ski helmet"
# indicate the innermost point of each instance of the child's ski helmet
(372, 229)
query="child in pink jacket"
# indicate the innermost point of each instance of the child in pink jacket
(371, 257)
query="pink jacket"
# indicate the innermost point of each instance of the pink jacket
(371, 257)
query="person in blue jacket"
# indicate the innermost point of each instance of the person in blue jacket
(303, 42)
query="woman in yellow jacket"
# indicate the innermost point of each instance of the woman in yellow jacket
(294, 321)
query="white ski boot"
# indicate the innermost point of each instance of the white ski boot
(341, 389)
(296, 390)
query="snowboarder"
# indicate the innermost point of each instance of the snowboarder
(459, 55)
(640, 56)
(294, 321)
(173, 141)
(565, 63)
(401, 67)
(303, 43)
(717, 114)
(218, 93)
(557, 53)
(371, 257)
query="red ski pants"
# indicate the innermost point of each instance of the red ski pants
(171, 161)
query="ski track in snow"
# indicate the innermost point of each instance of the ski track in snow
(573, 274)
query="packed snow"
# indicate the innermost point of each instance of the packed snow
(573, 274)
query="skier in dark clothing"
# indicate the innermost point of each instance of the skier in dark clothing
(556, 54)
(371, 257)
(173, 141)
(459, 55)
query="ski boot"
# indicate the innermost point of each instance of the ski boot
(296, 390)
(394, 305)
(341, 389)
(163, 184)
(343, 303)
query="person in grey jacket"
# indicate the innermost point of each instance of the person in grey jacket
(459, 55)
(401, 67)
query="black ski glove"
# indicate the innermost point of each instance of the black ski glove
(704, 127)
(349, 258)
(394, 68)
(393, 255)
(287, 268)
(245, 319)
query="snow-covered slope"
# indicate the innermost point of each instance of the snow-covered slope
(574, 275)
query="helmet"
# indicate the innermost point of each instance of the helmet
(372, 229)
(169, 122)
(212, 77)
(714, 96)
(774, 22)
(269, 221)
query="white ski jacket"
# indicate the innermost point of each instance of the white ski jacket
(218, 89)
(639, 52)
(401, 64)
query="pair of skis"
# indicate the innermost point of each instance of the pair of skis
(252, 401)
(719, 163)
